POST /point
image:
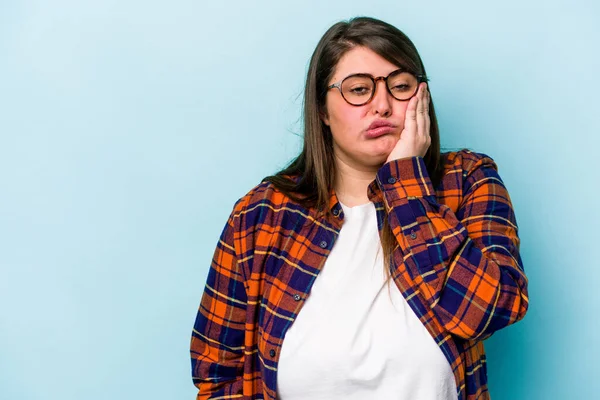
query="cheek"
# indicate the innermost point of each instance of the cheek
(400, 112)
(345, 119)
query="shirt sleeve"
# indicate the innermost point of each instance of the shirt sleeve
(217, 343)
(466, 264)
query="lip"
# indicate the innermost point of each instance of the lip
(380, 128)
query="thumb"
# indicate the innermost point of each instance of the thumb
(410, 118)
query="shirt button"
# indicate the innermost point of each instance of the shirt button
(391, 180)
(413, 235)
(272, 353)
(297, 297)
(336, 212)
(323, 244)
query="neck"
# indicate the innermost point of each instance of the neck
(352, 182)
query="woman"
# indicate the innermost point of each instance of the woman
(373, 267)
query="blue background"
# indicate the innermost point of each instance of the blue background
(129, 128)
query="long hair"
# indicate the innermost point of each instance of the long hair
(309, 178)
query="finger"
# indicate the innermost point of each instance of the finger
(421, 114)
(427, 99)
(427, 103)
(410, 118)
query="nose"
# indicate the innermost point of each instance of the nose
(382, 99)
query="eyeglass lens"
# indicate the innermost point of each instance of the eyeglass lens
(358, 89)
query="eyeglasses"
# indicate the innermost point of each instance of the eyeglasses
(359, 89)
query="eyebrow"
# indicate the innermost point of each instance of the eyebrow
(366, 73)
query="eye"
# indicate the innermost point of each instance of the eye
(359, 90)
(401, 87)
(357, 86)
(402, 83)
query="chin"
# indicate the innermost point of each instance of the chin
(376, 160)
(384, 148)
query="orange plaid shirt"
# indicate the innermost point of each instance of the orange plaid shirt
(457, 264)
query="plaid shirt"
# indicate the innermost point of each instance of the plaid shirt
(457, 265)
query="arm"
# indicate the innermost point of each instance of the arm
(217, 345)
(467, 265)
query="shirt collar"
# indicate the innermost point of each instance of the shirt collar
(373, 192)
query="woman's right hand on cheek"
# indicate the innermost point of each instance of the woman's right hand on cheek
(415, 138)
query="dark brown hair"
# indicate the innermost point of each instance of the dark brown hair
(310, 177)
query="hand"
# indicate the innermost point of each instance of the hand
(414, 139)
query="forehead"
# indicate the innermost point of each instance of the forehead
(362, 60)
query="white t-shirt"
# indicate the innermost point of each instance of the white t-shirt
(356, 337)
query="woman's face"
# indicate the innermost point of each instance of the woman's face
(353, 143)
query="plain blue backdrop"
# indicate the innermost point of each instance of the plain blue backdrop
(128, 129)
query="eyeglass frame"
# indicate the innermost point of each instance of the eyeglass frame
(420, 78)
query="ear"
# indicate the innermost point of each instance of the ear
(324, 117)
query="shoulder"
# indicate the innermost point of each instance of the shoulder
(467, 162)
(466, 170)
(263, 195)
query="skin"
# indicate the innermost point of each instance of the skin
(357, 156)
